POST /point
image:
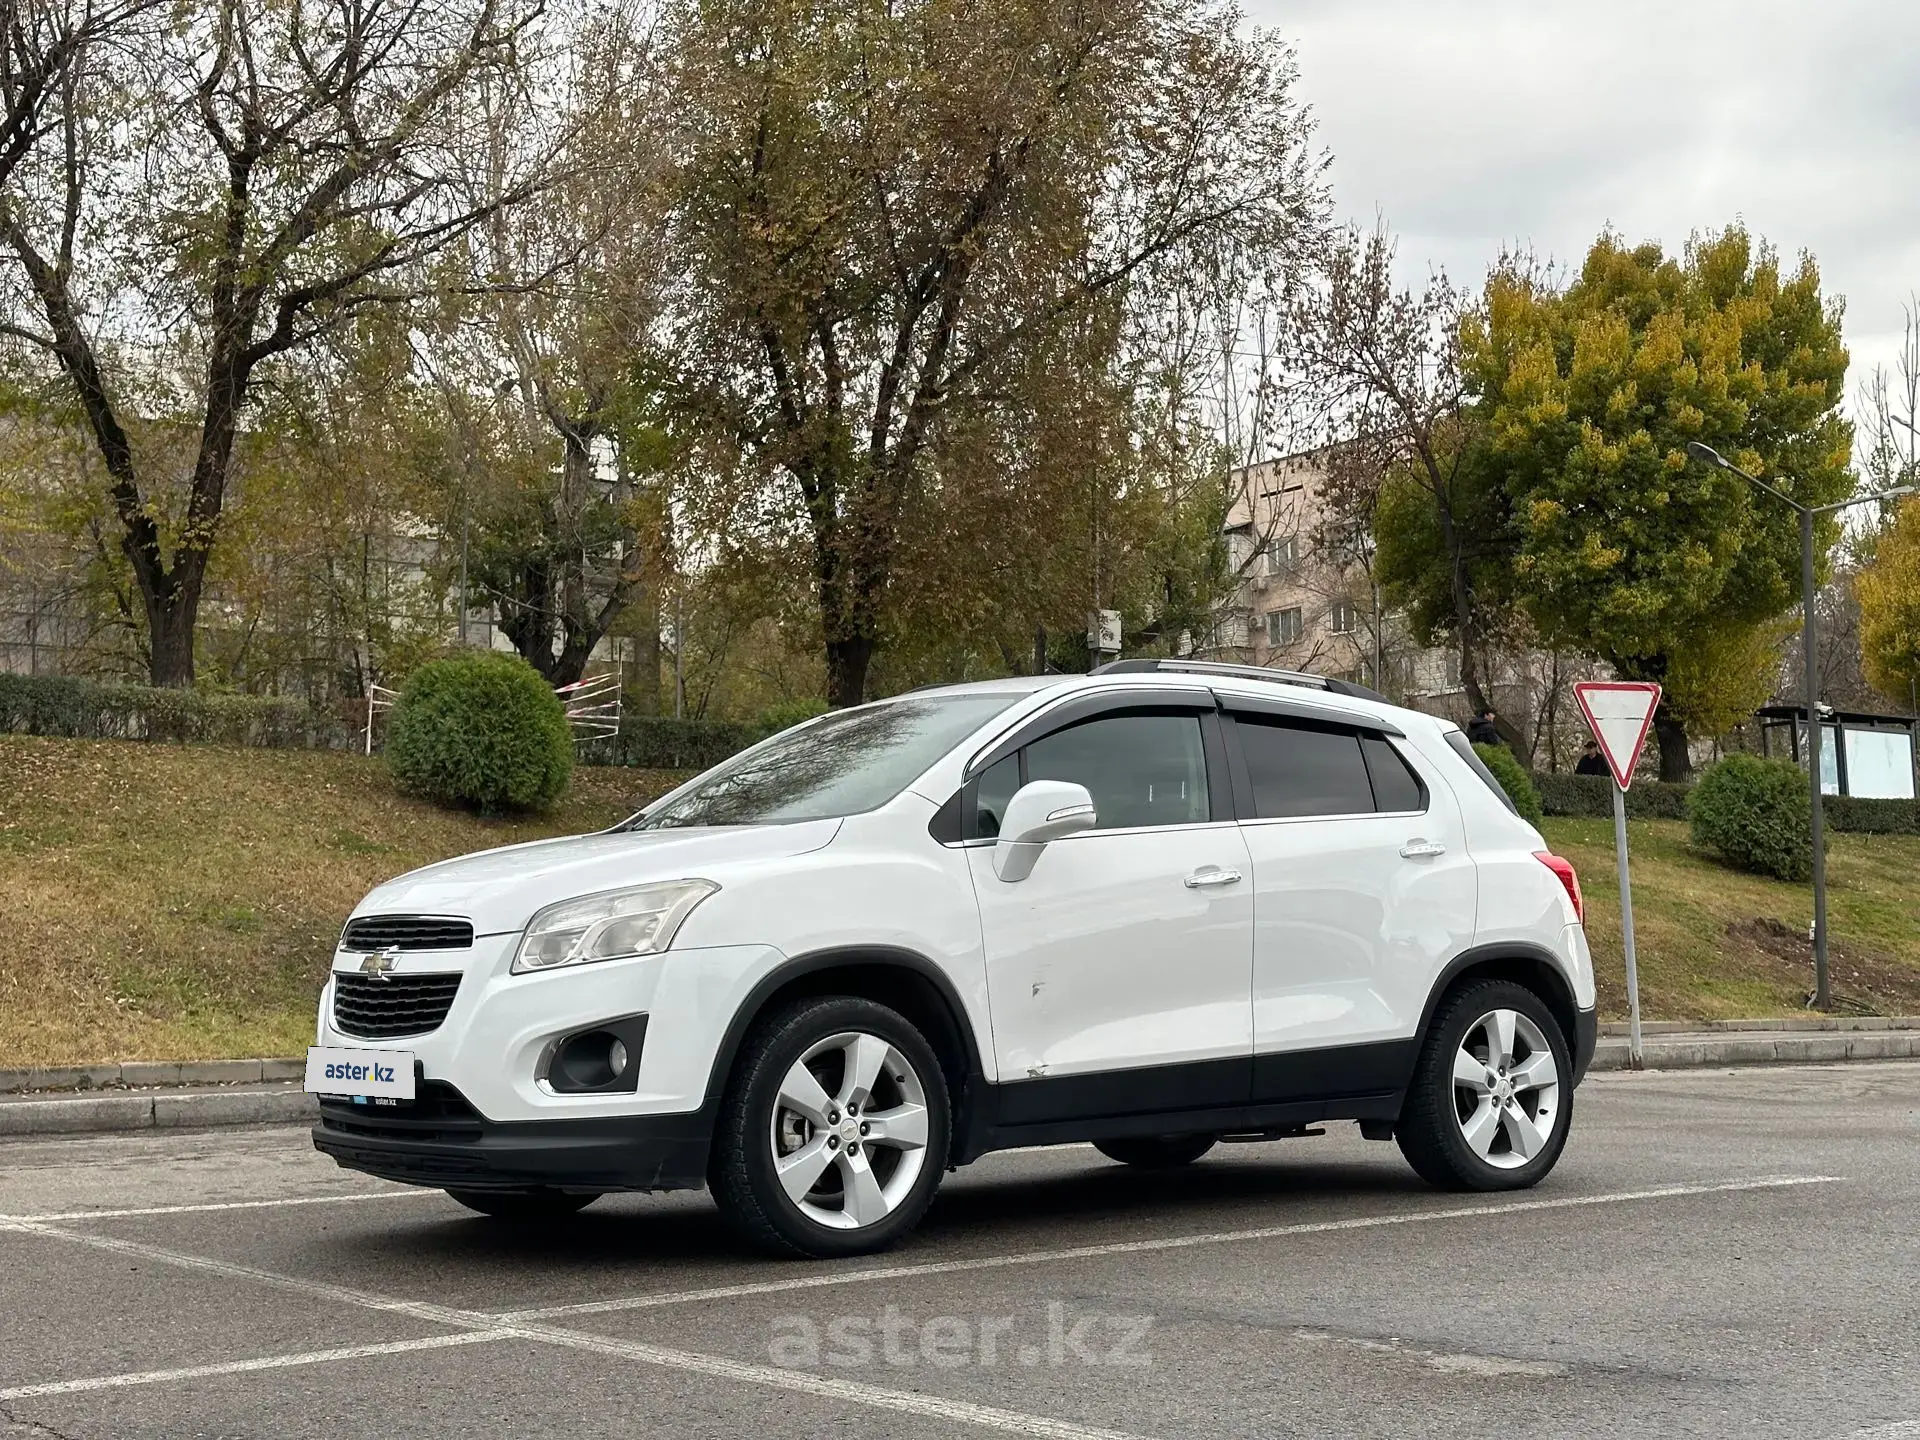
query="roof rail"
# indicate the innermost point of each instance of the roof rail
(1239, 672)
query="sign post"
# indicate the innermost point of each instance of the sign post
(1620, 713)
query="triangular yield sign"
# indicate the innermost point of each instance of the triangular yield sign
(1619, 712)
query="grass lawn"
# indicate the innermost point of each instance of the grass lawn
(182, 902)
(1715, 943)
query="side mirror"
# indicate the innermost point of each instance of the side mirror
(1039, 811)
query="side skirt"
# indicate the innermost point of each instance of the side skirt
(1273, 1091)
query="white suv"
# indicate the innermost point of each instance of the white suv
(1155, 907)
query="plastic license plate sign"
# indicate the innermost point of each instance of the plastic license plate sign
(360, 1074)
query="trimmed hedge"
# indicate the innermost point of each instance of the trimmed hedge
(659, 742)
(484, 730)
(81, 709)
(1591, 797)
(1756, 813)
(1513, 779)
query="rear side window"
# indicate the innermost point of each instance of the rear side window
(1297, 770)
(1463, 747)
(1395, 786)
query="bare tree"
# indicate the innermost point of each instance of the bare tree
(1386, 366)
(274, 170)
(890, 208)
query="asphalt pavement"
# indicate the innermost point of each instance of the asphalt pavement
(1719, 1253)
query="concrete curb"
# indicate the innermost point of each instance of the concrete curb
(1794, 1023)
(151, 1110)
(1683, 1051)
(137, 1074)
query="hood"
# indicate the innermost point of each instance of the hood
(498, 890)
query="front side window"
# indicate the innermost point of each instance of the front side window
(1299, 770)
(1140, 769)
(844, 763)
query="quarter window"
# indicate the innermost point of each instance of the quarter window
(1140, 769)
(1395, 786)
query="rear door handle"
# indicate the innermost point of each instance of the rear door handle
(1208, 875)
(1422, 849)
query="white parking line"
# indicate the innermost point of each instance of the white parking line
(474, 1327)
(242, 1367)
(1138, 1247)
(398, 1193)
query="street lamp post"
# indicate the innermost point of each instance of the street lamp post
(1822, 992)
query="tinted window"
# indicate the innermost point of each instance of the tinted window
(997, 784)
(841, 764)
(1300, 771)
(1395, 787)
(1140, 769)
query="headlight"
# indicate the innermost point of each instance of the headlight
(612, 925)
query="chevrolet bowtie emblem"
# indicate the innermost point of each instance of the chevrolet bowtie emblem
(380, 964)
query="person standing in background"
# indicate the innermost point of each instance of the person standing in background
(1480, 729)
(1591, 761)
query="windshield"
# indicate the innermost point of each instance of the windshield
(841, 764)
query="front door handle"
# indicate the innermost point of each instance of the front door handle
(1208, 875)
(1422, 849)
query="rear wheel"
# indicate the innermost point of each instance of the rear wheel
(1492, 1094)
(1156, 1152)
(524, 1205)
(833, 1132)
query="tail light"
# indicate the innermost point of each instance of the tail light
(1563, 869)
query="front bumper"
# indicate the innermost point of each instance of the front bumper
(442, 1141)
(1586, 1038)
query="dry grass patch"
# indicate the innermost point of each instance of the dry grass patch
(1718, 944)
(174, 902)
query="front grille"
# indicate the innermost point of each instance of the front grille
(406, 932)
(384, 1008)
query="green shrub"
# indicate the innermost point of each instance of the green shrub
(76, 708)
(1757, 815)
(787, 714)
(1513, 779)
(659, 742)
(1591, 796)
(484, 730)
(1862, 816)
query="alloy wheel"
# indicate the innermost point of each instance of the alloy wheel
(849, 1130)
(1506, 1089)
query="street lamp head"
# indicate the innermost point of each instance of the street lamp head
(1701, 451)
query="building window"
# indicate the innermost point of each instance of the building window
(1284, 627)
(1283, 553)
(1346, 618)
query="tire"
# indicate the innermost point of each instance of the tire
(524, 1206)
(1156, 1152)
(1469, 1124)
(800, 1166)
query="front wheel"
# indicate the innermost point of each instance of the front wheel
(833, 1132)
(1156, 1152)
(1492, 1094)
(524, 1206)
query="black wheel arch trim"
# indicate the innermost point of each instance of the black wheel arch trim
(840, 957)
(1565, 1006)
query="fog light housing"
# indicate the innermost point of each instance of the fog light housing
(601, 1060)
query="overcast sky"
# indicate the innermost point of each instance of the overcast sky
(1469, 124)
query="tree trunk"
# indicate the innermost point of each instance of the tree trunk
(847, 661)
(170, 626)
(1676, 762)
(645, 688)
